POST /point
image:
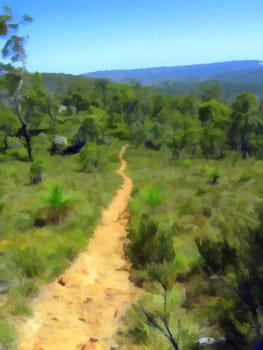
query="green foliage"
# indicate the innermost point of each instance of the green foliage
(142, 241)
(9, 124)
(245, 176)
(30, 262)
(19, 306)
(210, 91)
(37, 166)
(31, 256)
(244, 122)
(215, 119)
(186, 163)
(58, 205)
(217, 256)
(92, 128)
(19, 154)
(152, 195)
(7, 332)
(214, 175)
(56, 198)
(199, 238)
(93, 158)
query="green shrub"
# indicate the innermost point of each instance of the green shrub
(93, 158)
(3, 157)
(216, 256)
(14, 175)
(20, 154)
(36, 169)
(58, 205)
(187, 163)
(37, 166)
(214, 175)
(245, 176)
(152, 195)
(29, 261)
(1, 206)
(56, 198)
(19, 307)
(7, 331)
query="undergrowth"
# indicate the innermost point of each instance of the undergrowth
(188, 222)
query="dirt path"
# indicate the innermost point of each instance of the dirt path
(82, 308)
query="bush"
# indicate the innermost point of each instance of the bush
(19, 154)
(93, 158)
(214, 175)
(14, 175)
(58, 205)
(152, 195)
(19, 307)
(57, 199)
(35, 171)
(30, 262)
(7, 332)
(216, 256)
(187, 163)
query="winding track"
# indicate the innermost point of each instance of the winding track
(83, 311)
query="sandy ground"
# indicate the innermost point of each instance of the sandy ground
(82, 309)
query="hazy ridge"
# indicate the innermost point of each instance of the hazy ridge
(238, 71)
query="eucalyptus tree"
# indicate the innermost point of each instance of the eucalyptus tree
(210, 91)
(244, 122)
(9, 125)
(13, 66)
(215, 119)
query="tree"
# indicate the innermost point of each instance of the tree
(215, 118)
(35, 101)
(82, 94)
(13, 52)
(210, 91)
(185, 135)
(92, 128)
(242, 302)
(9, 124)
(153, 249)
(244, 120)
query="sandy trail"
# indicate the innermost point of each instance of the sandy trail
(82, 308)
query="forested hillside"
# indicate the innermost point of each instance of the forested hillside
(239, 70)
(234, 77)
(195, 230)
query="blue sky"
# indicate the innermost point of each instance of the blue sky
(79, 36)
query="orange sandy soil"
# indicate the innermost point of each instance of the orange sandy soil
(82, 309)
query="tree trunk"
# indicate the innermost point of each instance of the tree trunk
(27, 137)
(166, 324)
(49, 109)
(244, 140)
(244, 146)
(219, 150)
(22, 120)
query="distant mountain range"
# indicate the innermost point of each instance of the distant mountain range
(250, 71)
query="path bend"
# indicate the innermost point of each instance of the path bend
(82, 309)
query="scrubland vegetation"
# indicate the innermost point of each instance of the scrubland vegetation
(195, 232)
(195, 249)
